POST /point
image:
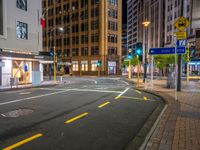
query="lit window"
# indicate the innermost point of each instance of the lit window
(22, 30)
(75, 66)
(94, 67)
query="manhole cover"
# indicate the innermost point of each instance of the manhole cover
(17, 113)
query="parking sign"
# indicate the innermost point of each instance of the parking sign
(181, 43)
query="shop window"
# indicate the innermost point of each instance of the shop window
(75, 66)
(94, 67)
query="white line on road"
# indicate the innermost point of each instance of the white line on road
(122, 93)
(90, 90)
(33, 97)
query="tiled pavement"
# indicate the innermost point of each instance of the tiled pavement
(179, 126)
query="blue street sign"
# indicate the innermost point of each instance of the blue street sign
(166, 50)
(181, 42)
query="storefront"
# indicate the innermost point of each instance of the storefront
(23, 68)
(112, 67)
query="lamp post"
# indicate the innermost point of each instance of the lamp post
(54, 51)
(146, 23)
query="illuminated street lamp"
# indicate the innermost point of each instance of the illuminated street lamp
(146, 24)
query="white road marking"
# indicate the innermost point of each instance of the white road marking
(124, 82)
(122, 93)
(33, 97)
(90, 90)
(25, 93)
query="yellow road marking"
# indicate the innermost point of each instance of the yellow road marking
(138, 91)
(76, 118)
(104, 104)
(23, 142)
(145, 98)
(117, 97)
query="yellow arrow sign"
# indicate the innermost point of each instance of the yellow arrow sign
(182, 23)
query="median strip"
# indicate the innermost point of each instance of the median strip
(76, 118)
(104, 104)
(23, 142)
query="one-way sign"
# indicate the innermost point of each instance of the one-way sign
(166, 50)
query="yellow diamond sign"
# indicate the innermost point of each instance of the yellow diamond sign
(182, 23)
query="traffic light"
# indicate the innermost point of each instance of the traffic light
(99, 63)
(51, 53)
(129, 54)
(138, 50)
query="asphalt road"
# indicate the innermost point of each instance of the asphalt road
(78, 114)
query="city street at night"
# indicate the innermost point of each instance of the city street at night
(79, 114)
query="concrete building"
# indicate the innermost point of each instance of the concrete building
(92, 32)
(173, 12)
(138, 12)
(20, 42)
(124, 29)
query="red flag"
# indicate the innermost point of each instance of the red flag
(42, 21)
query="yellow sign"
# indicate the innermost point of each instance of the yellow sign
(181, 35)
(182, 23)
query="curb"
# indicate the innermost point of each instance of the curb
(141, 139)
(22, 88)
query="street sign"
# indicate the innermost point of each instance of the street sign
(166, 50)
(182, 23)
(180, 43)
(181, 35)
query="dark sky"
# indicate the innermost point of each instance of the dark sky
(124, 12)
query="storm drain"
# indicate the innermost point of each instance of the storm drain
(17, 113)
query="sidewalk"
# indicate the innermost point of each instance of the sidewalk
(44, 83)
(179, 126)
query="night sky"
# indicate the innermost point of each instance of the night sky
(124, 12)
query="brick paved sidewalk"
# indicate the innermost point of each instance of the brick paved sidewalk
(179, 126)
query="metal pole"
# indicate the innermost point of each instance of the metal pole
(152, 63)
(138, 82)
(145, 56)
(180, 59)
(129, 69)
(188, 58)
(54, 64)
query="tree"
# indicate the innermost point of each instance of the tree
(134, 61)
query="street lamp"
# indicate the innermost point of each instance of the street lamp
(146, 24)
(54, 50)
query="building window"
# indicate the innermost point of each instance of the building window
(95, 38)
(112, 38)
(22, 30)
(94, 51)
(84, 39)
(94, 25)
(94, 65)
(22, 4)
(112, 51)
(113, 2)
(84, 65)
(1, 17)
(66, 52)
(84, 51)
(75, 66)
(75, 52)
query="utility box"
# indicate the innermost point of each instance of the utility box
(171, 80)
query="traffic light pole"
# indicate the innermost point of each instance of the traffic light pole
(145, 55)
(180, 59)
(54, 64)
(129, 69)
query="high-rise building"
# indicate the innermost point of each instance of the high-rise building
(92, 33)
(20, 42)
(173, 12)
(124, 29)
(140, 11)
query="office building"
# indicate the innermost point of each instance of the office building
(92, 33)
